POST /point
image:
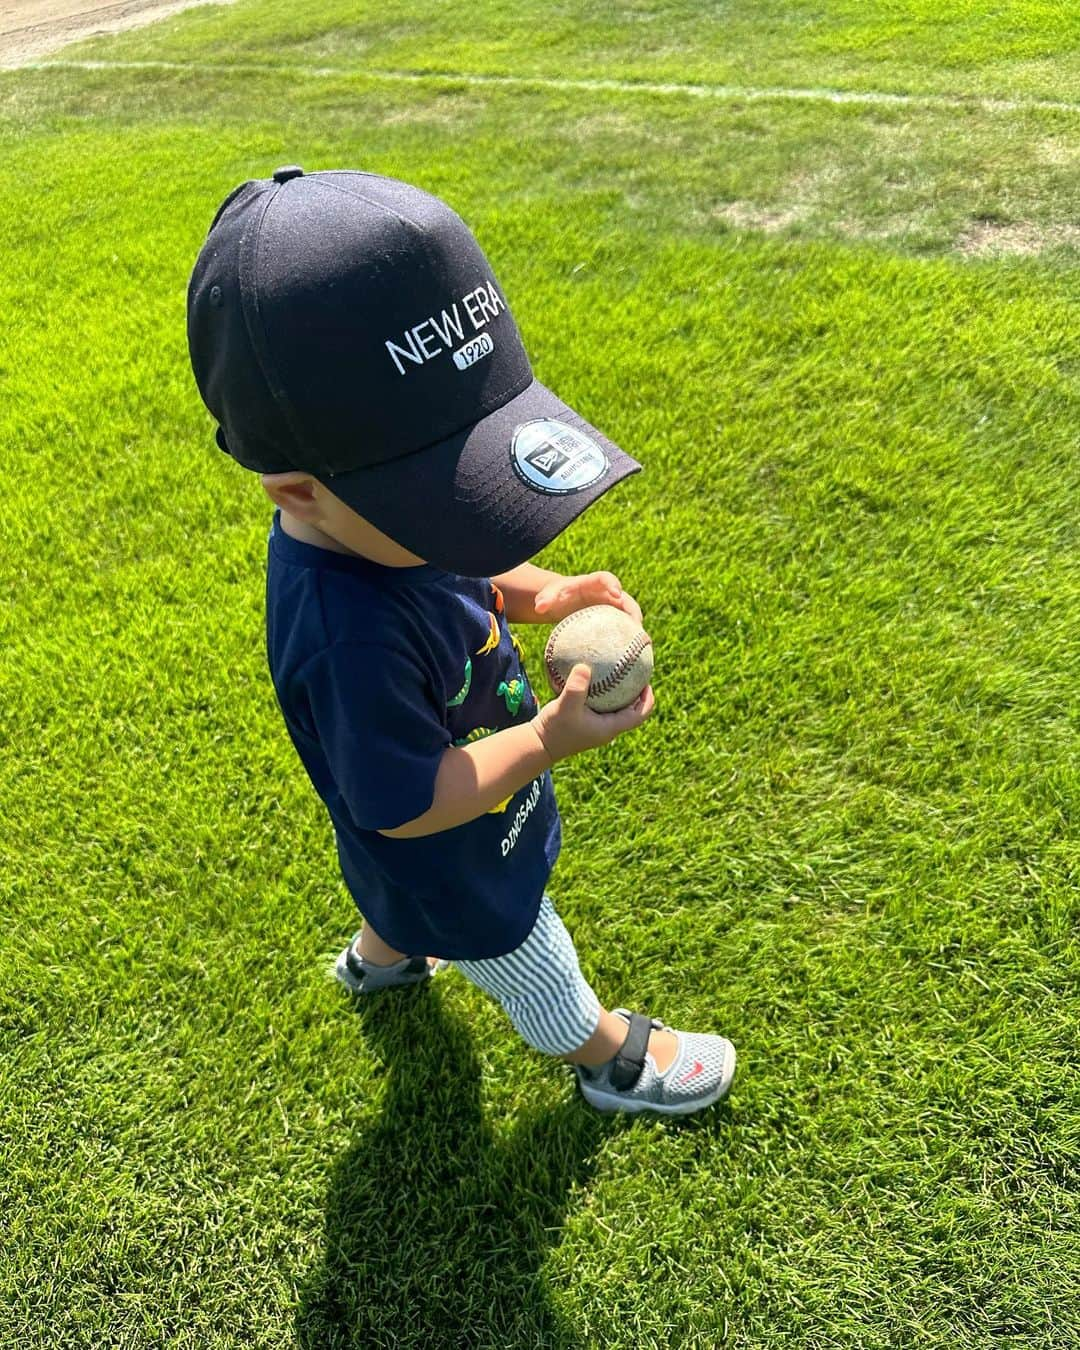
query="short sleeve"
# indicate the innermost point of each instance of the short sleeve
(378, 725)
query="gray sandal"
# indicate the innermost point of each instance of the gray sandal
(361, 977)
(699, 1075)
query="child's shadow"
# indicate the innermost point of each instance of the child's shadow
(436, 1229)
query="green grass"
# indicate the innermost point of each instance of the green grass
(847, 838)
(1026, 48)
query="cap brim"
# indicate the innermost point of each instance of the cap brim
(462, 503)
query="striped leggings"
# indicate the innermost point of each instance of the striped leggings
(541, 986)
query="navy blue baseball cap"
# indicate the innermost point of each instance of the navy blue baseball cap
(348, 325)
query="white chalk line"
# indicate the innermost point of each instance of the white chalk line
(731, 93)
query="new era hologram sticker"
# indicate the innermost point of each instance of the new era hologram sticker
(553, 457)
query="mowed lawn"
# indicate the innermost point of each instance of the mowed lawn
(842, 341)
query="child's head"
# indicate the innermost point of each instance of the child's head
(305, 499)
(346, 327)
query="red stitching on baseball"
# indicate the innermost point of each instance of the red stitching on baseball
(619, 669)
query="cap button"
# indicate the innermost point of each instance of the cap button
(283, 175)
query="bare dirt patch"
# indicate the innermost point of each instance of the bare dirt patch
(991, 238)
(747, 216)
(30, 29)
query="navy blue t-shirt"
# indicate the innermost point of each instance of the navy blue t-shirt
(377, 671)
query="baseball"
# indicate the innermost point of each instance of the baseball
(616, 649)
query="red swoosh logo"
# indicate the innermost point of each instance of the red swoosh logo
(698, 1068)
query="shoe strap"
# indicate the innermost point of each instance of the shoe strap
(353, 963)
(630, 1060)
(417, 965)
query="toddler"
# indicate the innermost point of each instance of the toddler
(348, 335)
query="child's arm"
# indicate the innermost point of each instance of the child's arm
(473, 778)
(520, 587)
(534, 595)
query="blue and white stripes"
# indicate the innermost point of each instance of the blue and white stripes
(541, 986)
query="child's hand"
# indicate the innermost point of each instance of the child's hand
(566, 726)
(567, 595)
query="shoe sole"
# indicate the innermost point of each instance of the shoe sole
(609, 1103)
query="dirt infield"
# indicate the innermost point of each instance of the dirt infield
(32, 28)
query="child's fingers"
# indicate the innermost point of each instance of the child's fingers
(544, 599)
(606, 583)
(641, 707)
(577, 683)
(629, 605)
(645, 702)
(632, 715)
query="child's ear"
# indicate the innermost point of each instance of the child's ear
(294, 492)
